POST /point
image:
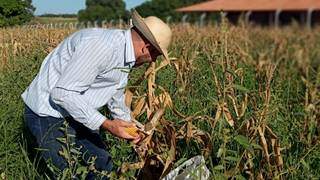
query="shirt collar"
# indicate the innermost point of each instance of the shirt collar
(129, 53)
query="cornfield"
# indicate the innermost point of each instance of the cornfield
(246, 98)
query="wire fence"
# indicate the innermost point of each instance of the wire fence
(75, 25)
(199, 20)
(119, 23)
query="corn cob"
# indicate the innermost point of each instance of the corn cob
(133, 131)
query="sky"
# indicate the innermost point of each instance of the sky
(69, 6)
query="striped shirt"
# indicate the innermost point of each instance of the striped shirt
(88, 70)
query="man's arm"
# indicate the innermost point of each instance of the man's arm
(121, 114)
(88, 60)
(118, 107)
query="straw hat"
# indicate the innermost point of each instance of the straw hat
(155, 31)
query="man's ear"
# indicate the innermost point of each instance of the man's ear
(145, 48)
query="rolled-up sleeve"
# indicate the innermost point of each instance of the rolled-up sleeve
(88, 60)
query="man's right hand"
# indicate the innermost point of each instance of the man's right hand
(117, 128)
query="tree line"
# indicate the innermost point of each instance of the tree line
(59, 15)
(116, 9)
(16, 12)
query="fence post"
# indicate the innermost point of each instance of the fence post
(120, 23)
(168, 19)
(111, 22)
(75, 26)
(82, 25)
(247, 17)
(104, 24)
(184, 19)
(202, 19)
(89, 24)
(309, 17)
(277, 18)
(96, 24)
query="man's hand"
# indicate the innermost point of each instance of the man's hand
(117, 128)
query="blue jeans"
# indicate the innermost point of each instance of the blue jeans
(46, 130)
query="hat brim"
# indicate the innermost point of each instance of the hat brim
(165, 54)
(138, 22)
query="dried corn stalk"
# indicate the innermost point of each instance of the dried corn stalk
(157, 149)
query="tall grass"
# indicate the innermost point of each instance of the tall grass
(254, 91)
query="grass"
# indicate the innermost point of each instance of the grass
(252, 78)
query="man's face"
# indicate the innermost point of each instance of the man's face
(149, 54)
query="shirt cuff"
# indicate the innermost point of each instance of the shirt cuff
(124, 117)
(96, 121)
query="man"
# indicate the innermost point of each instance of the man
(84, 73)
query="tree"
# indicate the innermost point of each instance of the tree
(13, 12)
(103, 10)
(164, 8)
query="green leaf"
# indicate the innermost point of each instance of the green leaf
(243, 141)
(66, 173)
(71, 135)
(81, 170)
(230, 158)
(64, 153)
(303, 162)
(74, 151)
(232, 152)
(240, 88)
(232, 72)
(220, 151)
(219, 167)
(239, 177)
(180, 161)
(256, 146)
(62, 140)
